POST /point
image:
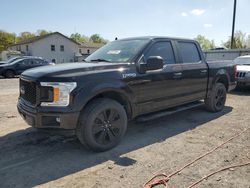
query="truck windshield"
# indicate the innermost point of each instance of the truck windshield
(118, 51)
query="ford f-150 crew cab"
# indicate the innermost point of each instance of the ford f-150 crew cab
(123, 80)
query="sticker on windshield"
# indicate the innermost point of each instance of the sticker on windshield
(114, 52)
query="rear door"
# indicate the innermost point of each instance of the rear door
(194, 71)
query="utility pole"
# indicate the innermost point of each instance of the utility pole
(233, 25)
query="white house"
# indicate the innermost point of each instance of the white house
(55, 47)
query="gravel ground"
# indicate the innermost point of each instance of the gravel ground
(29, 157)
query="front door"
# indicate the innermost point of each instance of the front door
(158, 89)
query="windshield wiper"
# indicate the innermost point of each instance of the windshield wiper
(99, 60)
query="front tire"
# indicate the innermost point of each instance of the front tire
(102, 124)
(217, 99)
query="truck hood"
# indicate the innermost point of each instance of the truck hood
(243, 67)
(71, 69)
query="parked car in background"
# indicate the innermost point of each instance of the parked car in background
(11, 60)
(243, 71)
(15, 66)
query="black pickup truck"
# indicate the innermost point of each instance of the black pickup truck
(123, 80)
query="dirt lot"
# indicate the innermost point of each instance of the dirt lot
(29, 157)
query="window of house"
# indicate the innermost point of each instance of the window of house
(27, 48)
(62, 48)
(80, 51)
(189, 52)
(52, 48)
(164, 50)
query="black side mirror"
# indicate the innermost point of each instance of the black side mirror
(154, 63)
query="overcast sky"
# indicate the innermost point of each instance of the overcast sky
(126, 18)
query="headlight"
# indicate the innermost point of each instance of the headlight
(61, 93)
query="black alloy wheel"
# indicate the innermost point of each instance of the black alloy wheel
(106, 126)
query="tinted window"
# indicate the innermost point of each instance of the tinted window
(189, 52)
(25, 62)
(41, 62)
(163, 49)
(33, 62)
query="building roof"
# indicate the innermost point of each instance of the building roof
(36, 38)
(91, 45)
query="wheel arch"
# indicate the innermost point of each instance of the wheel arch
(10, 69)
(113, 94)
(223, 78)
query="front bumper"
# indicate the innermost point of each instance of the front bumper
(243, 81)
(35, 118)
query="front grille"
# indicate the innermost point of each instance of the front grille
(241, 74)
(28, 91)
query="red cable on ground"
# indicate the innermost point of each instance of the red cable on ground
(152, 182)
(222, 169)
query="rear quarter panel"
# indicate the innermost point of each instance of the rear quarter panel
(218, 69)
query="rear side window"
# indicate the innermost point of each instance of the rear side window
(40, 61)
(24, 62)
(189, 52)
(163, 49)
(33, 62)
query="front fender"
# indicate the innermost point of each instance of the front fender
(92, 89)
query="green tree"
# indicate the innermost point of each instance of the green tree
(79, 38)
(240, 40)
(248, 41)
(42, 32)
(24, 36)
(6, 39)
(96, 38)
(205, 43)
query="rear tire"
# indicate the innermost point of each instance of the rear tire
(102, 124)
(216, 101)
(9, 74)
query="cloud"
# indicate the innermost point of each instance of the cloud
(197, 12)
(184, 14)
(207, 25)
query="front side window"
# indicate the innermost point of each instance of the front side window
(189, 52)
(118, 51)
(164, 50)
(52, 48)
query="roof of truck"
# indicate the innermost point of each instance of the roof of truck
(155, 37)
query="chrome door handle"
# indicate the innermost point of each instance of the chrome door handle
(177, 73)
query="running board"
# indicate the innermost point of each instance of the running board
(170, 111)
